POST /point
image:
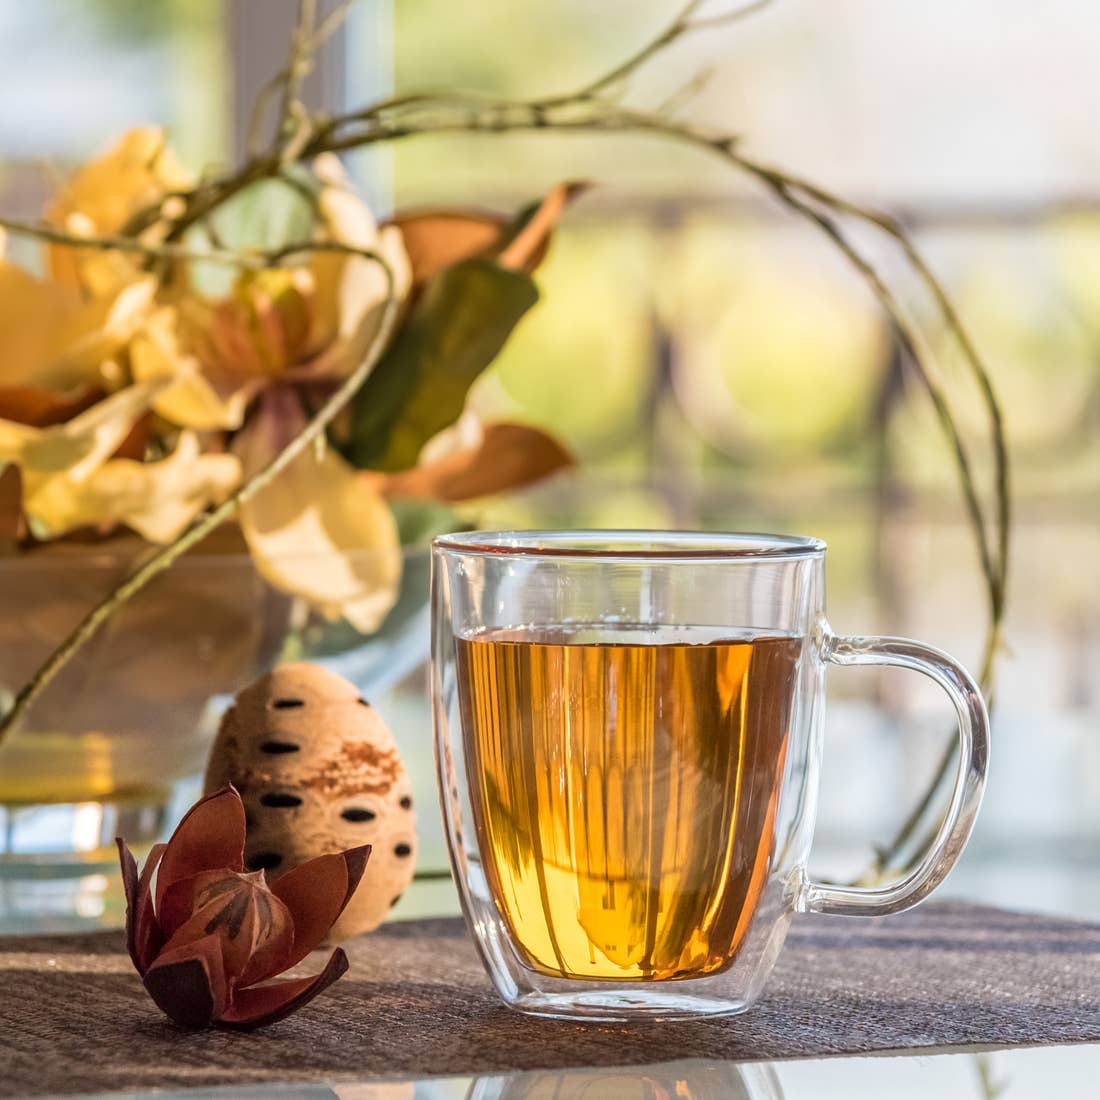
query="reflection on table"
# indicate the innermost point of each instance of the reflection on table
(1067, 1072)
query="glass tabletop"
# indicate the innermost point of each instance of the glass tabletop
(1066, 1072)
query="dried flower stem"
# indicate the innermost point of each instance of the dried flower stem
(249, 259)
(298, 64)
(163, 558)
(170, 251)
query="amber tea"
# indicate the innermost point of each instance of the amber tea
(624, 789)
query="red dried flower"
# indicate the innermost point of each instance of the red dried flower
(209, 932)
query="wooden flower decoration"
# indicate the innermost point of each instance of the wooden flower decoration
(208, 936)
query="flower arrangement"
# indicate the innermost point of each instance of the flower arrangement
(332, 376)
(134, 400)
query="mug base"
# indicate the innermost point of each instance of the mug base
(623, 1006)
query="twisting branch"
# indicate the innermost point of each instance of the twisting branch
(250, 259)
(685, 22)
(299, 137)
(993, 564)
(45, 232)
(958, 331)
(314, 430)
(428, 113)
(298, 64)
(329, 25)
(293, 118)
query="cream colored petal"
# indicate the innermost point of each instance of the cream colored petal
(17, 439)
(363, 283)
(362, 308)
(135, 171)
(78, 446)
(98, 329)
(347, 217)
(189, 400)
(349, 291)
(319, 532)
(158, 500)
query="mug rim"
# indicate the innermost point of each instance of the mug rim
(624, 544)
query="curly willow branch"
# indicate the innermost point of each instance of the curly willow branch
(592, 107)
(436, 114)
(426, 114)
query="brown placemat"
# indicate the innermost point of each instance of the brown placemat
(74, 1018)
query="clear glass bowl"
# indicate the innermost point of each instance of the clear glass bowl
(117, 744)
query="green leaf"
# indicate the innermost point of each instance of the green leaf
(454, 332)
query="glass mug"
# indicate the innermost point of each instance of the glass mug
(628, 740)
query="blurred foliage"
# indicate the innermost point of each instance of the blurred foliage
(675, 339)
(580, 362)
(146, 21)
(778, 353)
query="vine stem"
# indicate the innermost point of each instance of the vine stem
(90, 625)
(251, 259)
(684, 23)
(45, 232)
(784, 188)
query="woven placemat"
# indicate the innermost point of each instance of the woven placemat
(74, 1018)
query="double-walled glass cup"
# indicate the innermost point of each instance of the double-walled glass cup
(628, 739)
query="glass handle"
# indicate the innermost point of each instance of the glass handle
(935, 864)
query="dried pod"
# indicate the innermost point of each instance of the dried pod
(319, 771)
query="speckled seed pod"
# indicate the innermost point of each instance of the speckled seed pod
(319, 772)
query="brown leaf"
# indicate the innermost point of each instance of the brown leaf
(267, 1004)
(188, 984)
(143, 937)
(42, 408)
(256, 929)
(508, 456)
(435, 239)
(316, 893)
(130, 889)
(12, 527)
